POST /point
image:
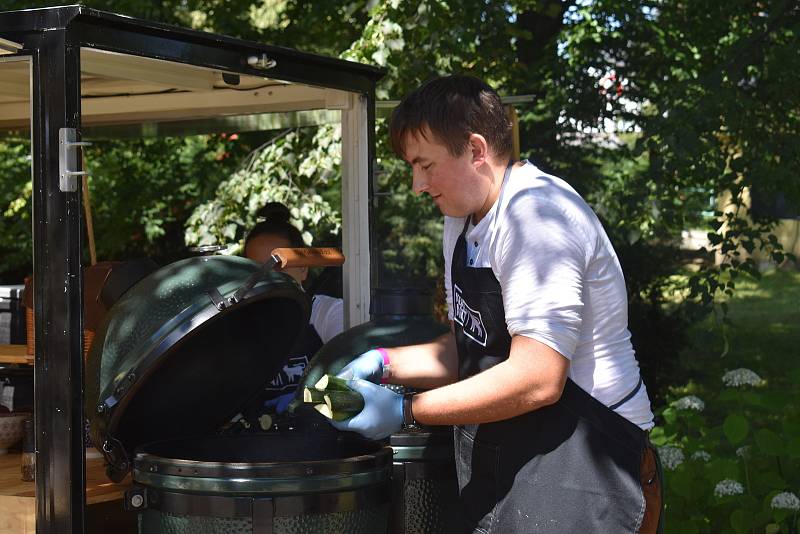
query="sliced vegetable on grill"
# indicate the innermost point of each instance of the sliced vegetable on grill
(265, 421)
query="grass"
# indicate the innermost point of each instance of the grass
(764, 336)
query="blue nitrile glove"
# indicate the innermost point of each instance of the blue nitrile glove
(368, 366)
(280, 403)
(382, 414)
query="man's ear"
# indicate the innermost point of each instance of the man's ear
(479, 149)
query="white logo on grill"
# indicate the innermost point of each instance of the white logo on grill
(469, 319)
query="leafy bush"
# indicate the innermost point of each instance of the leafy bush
(729, 456)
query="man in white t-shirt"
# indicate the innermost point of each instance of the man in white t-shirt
(538, 377)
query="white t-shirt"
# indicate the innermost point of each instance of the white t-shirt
(561, 282)
(327, 316)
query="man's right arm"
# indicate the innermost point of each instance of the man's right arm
(427, 365)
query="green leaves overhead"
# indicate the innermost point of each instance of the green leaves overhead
(663, 115)
(289, 169)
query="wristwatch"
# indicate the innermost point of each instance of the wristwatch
(409, 423)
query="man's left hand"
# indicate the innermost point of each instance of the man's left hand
(382, 415)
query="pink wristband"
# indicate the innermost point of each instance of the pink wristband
(385, 355)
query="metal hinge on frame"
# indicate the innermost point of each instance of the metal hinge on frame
(68, 159)
(262, 62)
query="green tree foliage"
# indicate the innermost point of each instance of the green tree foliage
(144, 190)
(15, 240)
(706, 90)
(650, 109)
(289, 168)
(703, 104)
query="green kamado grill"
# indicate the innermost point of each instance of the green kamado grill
(179, 354)
(424, 484)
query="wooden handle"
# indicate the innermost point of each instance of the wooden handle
(307, 257)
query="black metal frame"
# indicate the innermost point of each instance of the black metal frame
(52, 37)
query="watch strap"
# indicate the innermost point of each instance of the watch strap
(386, 365)
(409, 422)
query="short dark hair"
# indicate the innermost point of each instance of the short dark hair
(452, 108)
(275, 221)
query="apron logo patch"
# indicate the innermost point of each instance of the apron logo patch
(290, 374)
(470, 320)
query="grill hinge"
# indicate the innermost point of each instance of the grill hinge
(135, 499)
(219, 301)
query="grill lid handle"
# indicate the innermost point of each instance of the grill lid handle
(282, 258)
(307, 257)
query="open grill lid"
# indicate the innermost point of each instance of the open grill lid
(169, 363)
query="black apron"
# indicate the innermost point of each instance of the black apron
(573, 466)
(289, 376)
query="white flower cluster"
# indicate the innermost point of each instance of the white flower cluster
(689, 402)
(785, 501)
(701, 455)
(743, 451)
(671, 457)
(741, 377)
(728, 487)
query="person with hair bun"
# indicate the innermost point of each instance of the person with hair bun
(327, 313)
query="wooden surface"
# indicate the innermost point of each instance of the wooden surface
(15, 354)
(18, 502)
(98, 487)
(17, 515)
